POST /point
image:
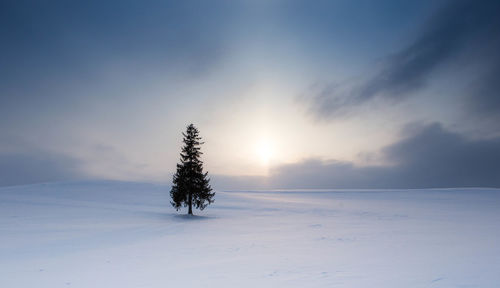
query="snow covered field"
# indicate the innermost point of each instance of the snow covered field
(113, 234)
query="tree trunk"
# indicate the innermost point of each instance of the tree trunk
(190, 212)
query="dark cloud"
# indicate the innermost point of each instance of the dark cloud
(55, 53)
(469, 30)
(434, 157)
(64, 33)
(485, 90)
(37, 166)
(429, 157)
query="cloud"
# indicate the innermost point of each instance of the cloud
(38, 166)
(434, 157)
(429, 157)
(71, 53)
(469, 30)
(485, 91)
(23, 162)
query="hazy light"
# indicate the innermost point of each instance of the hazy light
(265, 151)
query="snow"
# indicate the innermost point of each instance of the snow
(116, 234)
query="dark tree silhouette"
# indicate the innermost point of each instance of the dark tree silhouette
(190, 185)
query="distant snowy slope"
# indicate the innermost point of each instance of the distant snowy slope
(115, 234)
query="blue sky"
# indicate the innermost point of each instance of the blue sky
(349, 94)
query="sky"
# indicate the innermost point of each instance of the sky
(286, 94)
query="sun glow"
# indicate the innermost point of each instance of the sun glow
(265, 151)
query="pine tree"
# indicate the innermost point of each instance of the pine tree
(190, 185)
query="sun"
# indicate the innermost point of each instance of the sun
(264, 150)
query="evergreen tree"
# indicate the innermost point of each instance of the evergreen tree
(190, 185)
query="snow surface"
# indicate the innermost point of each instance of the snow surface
(114, 234)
